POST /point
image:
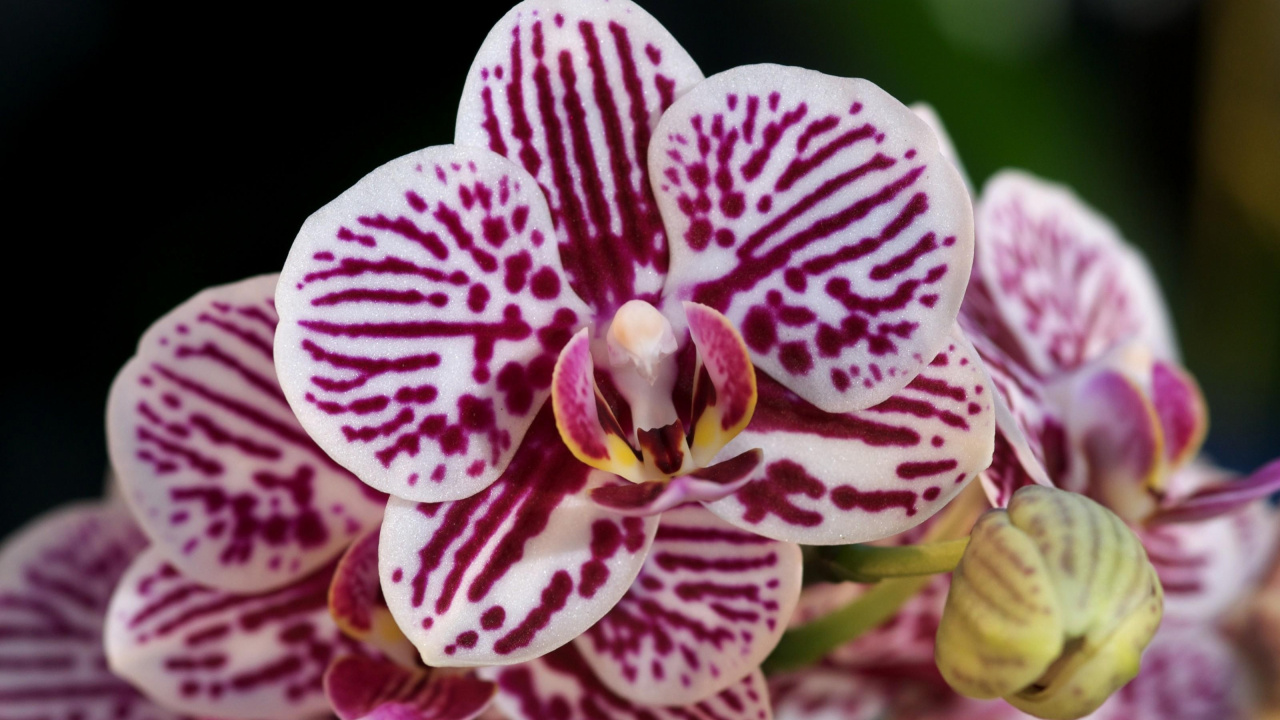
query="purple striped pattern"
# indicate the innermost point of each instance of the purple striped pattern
(516, 570)
(219, 473)
(361, 688)
(220, 654)
(571, 92)
(562, 685)
(56, 575)
(421, 315)
(709, 604)
(1206, 566)
(1062, 277)
(834, 479)
(818, 215)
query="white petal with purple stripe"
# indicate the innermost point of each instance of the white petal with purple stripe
(213, 653)
(819, 215)
(834, 479)
(421, 315)
(708, 606)
(1065, 281)
(516, 570)
(219, 473)
(56, 575)
(571, 91)
(563, 686)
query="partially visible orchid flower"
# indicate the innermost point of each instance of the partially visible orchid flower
(225, 615)
(56, 576)
(738, 291)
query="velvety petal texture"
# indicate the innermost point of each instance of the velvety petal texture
(219, 473)
(571, 91)
(1065, 281)
(56, 575)
(818, 214)
(836, 479)
(421, 315)
(516, 570)
(219, 654)
(362, 688)
(561, 685)
(709, 604)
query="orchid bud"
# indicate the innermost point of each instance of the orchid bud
(1050, 607)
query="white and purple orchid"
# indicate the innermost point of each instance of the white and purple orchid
(738, 291)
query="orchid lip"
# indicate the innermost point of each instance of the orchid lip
(641, 371)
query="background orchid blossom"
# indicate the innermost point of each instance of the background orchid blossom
(427, 315)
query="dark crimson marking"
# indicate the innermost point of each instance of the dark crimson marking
(771, 495)
(847, 497)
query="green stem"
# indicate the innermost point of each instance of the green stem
(906, 572)
(871, 563)
(807, 644)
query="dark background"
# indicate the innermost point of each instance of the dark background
(148, 151)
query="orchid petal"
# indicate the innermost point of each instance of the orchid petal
(572, 90)
(708, 606)
(578, 406)
(516, 570)
(219, 473)
(818, 214)
(1184, 416)
(1062, 276)
(820, 693)
(1189, 671)
(724, 394)
(702, 485)
(835, 479)
(209, 652)
(1222, 496)
(421, 313)
(1206, 566)
(1118, 434)
(56, 575)
(563, 686)
(358, 607)
(361, 688)
(1028, 437)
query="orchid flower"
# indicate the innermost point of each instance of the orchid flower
(737, 291)
(225, 614)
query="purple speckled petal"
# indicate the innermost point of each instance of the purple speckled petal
(819, 216)
(1029, 438)
(56, 575)
(1207, 566)
(421, 315)
(516, 570)
(362, 688)
(217, 654)
(356, 602)
(703, 485)
(562, 685)
(219, 473)
(830, 693)
(1189, 672)
(708, 606)
(571, 91)
(834, 479)
(1065, 281)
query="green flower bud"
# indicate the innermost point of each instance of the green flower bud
(1050, 607)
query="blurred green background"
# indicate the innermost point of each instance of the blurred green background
(148, 151)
